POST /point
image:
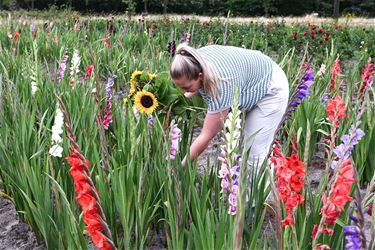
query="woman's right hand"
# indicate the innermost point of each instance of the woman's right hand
(190, 94)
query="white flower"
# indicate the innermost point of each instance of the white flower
(74, 68)
(56, 150)
(56, 138)
(57, 130)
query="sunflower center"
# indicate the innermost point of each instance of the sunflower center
(146, 101)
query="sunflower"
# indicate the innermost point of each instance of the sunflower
(133, 87)
(151, 76)
(125, 102)
(145, 102)
(135, 74)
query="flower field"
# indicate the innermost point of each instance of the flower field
(93, 132)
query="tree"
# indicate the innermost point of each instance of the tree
(336, 8)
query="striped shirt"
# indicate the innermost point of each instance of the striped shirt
(251, 70)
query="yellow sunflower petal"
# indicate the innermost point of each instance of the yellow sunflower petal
(135, 74)
(133, 88)
(151, 76)
(145, 102)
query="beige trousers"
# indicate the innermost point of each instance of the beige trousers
(262, 121)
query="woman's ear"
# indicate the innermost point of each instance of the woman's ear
(200, 76)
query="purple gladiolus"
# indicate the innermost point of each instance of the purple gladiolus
(230, 179)
(325, 99)
(183, 38)
(108, 108)
(172, 48)
(62, 67)
(303, 90)
(344, 150)
(352, 237)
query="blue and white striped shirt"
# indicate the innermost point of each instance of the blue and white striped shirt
(251, 70)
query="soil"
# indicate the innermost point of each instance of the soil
(14, 234)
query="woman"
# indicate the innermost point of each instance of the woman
(213, 71)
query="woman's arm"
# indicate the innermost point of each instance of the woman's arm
(212, 124)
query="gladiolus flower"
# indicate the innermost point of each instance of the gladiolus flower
(87, 201)
(108, 108)
(62, 67)
(107, 44)
(289, 172)
(336, 110)
(175, 139)
(171, 48)
(367, 77)
(340, 195)
(336, 69)
(89, 69)
(303, 90)
(322, 70)
(295, 35)
(15, 36)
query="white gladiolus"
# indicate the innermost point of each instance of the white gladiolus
(34, 84)
(57, 130)
(74, 68)
(56, 151)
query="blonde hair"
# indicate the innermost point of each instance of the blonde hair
(189, 63)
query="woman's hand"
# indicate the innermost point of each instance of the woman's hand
(191, 94)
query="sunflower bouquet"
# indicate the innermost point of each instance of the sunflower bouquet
(150, 91)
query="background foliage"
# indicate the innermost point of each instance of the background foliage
(205, 7)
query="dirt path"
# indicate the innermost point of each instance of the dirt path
(14, 234)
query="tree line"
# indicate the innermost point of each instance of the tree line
(325, 8)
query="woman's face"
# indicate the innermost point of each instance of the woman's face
(189, 85)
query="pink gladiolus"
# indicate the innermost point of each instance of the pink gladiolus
(175, 139)
(322, 70)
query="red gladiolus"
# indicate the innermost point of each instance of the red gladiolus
(305, 33)
(321, 42)
(107, 44)
(312, 34)
(340, 195)
(15, 36)
(336, 69)
(86, 198)
(336, 110)
(295, 35)
(313, 27)
(369, 210)
(320, 31)
(89, 69)
(367, 77)
(289, 172)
